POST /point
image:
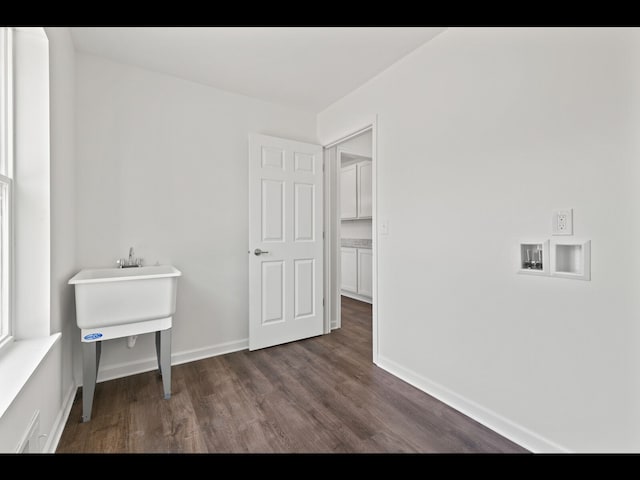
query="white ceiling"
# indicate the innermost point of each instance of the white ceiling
(303, 67)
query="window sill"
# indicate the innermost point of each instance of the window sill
(18, 361)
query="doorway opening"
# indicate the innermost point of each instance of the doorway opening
(350, 226)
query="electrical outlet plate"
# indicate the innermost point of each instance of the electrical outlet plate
(562, 222)
(384, 227)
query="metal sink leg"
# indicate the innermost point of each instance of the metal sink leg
(163, 351)
(90, 363)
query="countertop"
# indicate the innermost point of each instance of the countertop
(356, 242)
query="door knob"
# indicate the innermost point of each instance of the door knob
(259, 252)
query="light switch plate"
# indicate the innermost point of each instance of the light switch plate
(562, 223)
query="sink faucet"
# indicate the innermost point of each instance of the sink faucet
(130, 262)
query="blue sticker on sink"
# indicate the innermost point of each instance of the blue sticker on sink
(93, 336)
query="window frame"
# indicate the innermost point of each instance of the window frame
(6, 181)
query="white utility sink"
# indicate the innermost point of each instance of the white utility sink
(122, 302)
(117, 296)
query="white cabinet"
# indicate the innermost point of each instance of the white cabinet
(348, 192)
(365, 272)
(357, 273)
(355, 191)
(364, 189)
(349, 269)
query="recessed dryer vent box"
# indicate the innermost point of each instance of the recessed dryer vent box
(534, 257)
(571, 259)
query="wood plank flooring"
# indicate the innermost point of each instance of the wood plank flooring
(317, 395)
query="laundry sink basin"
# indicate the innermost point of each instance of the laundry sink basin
(116, 296)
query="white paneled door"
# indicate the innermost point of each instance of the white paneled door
(285, 241)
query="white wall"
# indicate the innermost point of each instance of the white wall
(42, 393)
(355, 229)
(481, 134)
(50, 390)
(31, 222)
(360, 144)
(63, 175)
(162, 167)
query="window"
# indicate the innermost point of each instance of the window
(6, 180)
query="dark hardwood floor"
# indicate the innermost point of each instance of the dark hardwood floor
(317, 395)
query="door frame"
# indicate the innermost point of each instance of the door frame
(332, 228)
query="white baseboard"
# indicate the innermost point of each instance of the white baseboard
(505, 427)
(61, 420)
(120, 370)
